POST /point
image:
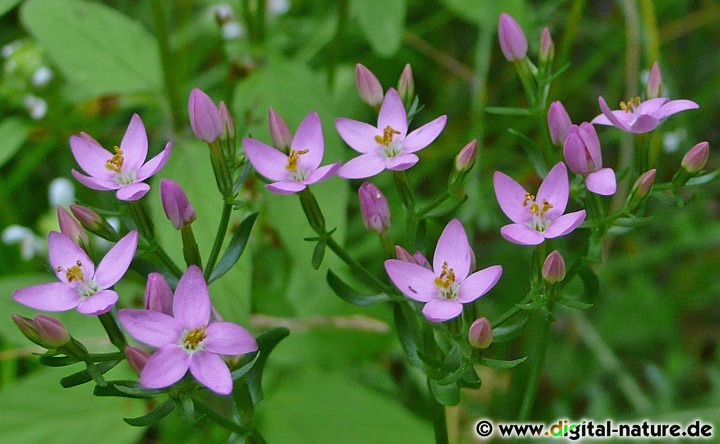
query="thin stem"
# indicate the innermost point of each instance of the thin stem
(432, 205)
(219, 419)
(165, 258)
(511, 312)
(357, 266)
(103, 357)
(407, 197)
(166, 58)
(537, 365)
(191, 252)
(438, 417)
(113, 330)
(219, 238)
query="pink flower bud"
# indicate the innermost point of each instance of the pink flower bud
(696, 158)
(87, 217)
(558, 122)
(27, 328)
(406, 85)
(205, 118)
(374, 208)
(547, 47)
(654, 83)
(137, 358)
(417, 258)
(553, 269)
(512, 38)
(465, 159)
(52, 332)
(227, 119)
(641, 189)
(279, 131)
(480, 334)
(176, 204)
(368, 86)
(71, 228)
(158, 295)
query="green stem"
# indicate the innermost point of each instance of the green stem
(432, 205)
(166, 58)
(191, 252)
(537, 365)
(165, 258)
(219, 419)
(141, 216)
(113, 330)
(357, 267)
(407, 197)
(511, 312)
(527, 81)
(219, 238)
(438, 417)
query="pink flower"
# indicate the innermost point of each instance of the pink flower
(446, 286)
(187, 340)
(388, 146)
(124, 170)
(583, 156)
(81, 284)
(640, 117)
(536, 218)
(512, 38)
(293, 172)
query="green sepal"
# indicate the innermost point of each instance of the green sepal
(93, 372)
(501, 364)
(154, 416)
(349, 294)
(235, 248)
(266, 343)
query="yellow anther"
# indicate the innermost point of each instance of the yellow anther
(528, 198)
(546, 207)
(534, 207)
(193, 338)
(293, 158)
(74, 273)
(630, 105)
(446, 278)
(116, 162)
(387, 136)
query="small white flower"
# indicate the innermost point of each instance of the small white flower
(61, 192)
(233, 30)
(42, 76)
(37, 107)
(31, 245)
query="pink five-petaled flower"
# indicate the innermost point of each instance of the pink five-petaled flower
(81, 284)
(536, 218)
(187, 340)
(293, 172)
(388, 146)
(125, 169)
(583, 156)
(447, 286)
(640, 117)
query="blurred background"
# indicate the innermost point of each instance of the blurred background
(647, 348)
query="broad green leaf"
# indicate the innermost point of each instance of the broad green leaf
(36, 409)
(7, 5)
(487, 12)
(13, 132)
(97, 49)
(383, 23)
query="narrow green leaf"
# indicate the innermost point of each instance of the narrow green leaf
(590, 280)
(154, 416)
(496, 363)
(445, 394)
(502, 334)
(93, 372)
(534, 305)
(239, 373)
(318, 253)
(267, 341)
(407, 330)
(456, 375)
(574, 303)
(235, 248)
(58, 361)
(705, 178)
(347, 293)
(124, 389)
(533, 152)
(507, 111)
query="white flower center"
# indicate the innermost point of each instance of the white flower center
(115, 163)
(538, 220)
(389, 147)
(76, 277)
(446, 282)
(192, 340)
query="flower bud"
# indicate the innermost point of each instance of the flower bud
(417, 258)
(227, 119)
(92, 222)
(368, 86)
(465, 159)
(553, 269)
(27, 328)
(654, 83)
(374, 208)
(512, 38)
(641, 189)
(137, 358)
(480, 334)
(696, 158)
(205, 118)
(176, 204)
(71, 228)
(558, 122)
(52, 332)
(406, 85)
(158, 295)
(279, 131)
(547, 47)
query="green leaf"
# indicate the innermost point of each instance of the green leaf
(574, 303)
(589, 279)
(124, 389)
(7, 5)
(235, 248)
(407, 330)
(507, 111)
(487, 12)
(13, 132)
(93, 372)
(99, 50)
(496, 363)
(239, 373)
(266, 343)
(502, 334)
(705, 178)
(383, 23)
(445, 394)
(534, 305)
(154, 416)
(532, 151)
(318, 253)
(58, 361)
(351, 295)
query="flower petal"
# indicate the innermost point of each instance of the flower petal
(165, 367)
(511, 195)
(55, 296)
(132, 191)
(65, 254)
(309, 137)
(99, 303)
(191, 305)
(392, 114)
(95, 183)
(479, 283)
(226, 338)
(150, 327)
(453, 249)
(556, 190)
(643, 124)
(564, 224)
(91, 156)
(575, 154)
(609, 115)
(212, 372)
(155, 164)
(602, 182)
(592, 143)
(650, 106)
(266, 160)
(401, 162)
(414, 281)
(674, 106)
(359, 135)
(286, 187)
(134, 144)
(424, 136)
(440, 310)
(116, 262)
(521, 234)
(363, 166)
(323, 173)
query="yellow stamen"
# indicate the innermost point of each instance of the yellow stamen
(630, 105)
(116, 162)
(73, 273)
(387, 136)
(446, 278)
(293, 158)
(534, 207)
(528, 198)
(194, 338)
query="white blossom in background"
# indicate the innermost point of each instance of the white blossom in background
(673, 139)
(222, 12)
(277, 7)
(8, 49)
(101, 244)
(61, 191)
(42, 76)
(30, 244)
(232, 30)
(37, 107)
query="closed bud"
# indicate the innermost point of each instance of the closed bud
(558, 123)
(417, 258)
(52, 332)
(480, 334)
(227, 119)
(71, 228)
(205, 118)
(547, 47)
(279, 131)
(696, 158)
(406, 85)
(374, 208)
(512, 38)
(368, 86)
(92, 222)
(137, 358)
(553, 269)
(641, 189)
(158, 294)
(654, 83)
(465, 159)
(178, 208)
(27, 328)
